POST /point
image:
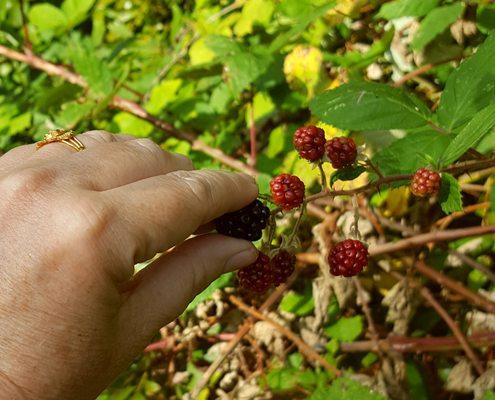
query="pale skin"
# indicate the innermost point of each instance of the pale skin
(73, 314)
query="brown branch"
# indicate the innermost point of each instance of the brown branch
(454, 328)
(473, 264)
(445, 221)
(252, 136)
(456, 287)
(436, 236)
(421, 70)
(243, 331)
(128, 106)
(404, 344)
(411, 242)
(303, 347)
(375, 337)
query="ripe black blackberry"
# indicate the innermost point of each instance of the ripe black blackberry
(258, 276)
(348, 258)
(309, 141)
(282, 265)
(247, 223)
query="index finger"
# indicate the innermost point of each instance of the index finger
(160, 212)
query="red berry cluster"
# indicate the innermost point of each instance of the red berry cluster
(425, 182)
(265, 272)
(310, 143)
(348, 258)
(287, 191)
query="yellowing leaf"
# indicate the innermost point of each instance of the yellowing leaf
(397, 202)
(303, 69)
(163, 94)
(200, 53)
(254, 12)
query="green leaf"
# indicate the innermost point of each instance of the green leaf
(370, 106)
(471, 134)
(488, 395)
(345, 388)
(435, 23)
(76, 10)
(417, 386)
(470, 88)
(244, 64)
(346, 174)
(406, 8)
(299, 304)
(450, 194)
(346, 329)
(206, 294)
(46, 16)
(406, 155)
(93, 69)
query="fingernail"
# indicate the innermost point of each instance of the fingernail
(242, 259)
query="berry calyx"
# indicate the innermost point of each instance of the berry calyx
(348, 258)
(283, 265)
(287, 191)
(309, 141)
(425, 182)
(341, 151)
(247, 223)
(258, 276)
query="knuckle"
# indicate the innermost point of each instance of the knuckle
(26, 183)
(198, 188)
(90, 218)
(101, 136)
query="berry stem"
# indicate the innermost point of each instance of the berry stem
(374, 167)
(323, 176)
(272, 229)
(298, 224)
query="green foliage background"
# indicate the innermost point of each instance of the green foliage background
(216, 68)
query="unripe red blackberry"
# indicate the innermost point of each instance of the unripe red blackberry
(348, 258)
(341, 151)
(309, 141)
(425, 182)
(283, 265)
(247, 223)
(287, 191)
(256, 277)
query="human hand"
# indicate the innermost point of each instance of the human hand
(72, 313)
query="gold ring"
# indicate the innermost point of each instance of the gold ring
(62, 136)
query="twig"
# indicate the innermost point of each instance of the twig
(403, 344)
(128, 106)
(421, 70)
(445, 221)
(28, 47)
(456, 287)
(454, 328)
(243, 331)
(436, 236)
(473, 264)
(367, 312)
(252, 136)
(323, 176)
(411, 242)
(303, 347)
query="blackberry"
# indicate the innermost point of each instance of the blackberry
(341, 151)
(348, 258)
(309, 141)
(287, 191)
(283, 265)
(425, 182)
(247, 223)
(256, 277)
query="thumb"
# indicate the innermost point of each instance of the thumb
(164, 289)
